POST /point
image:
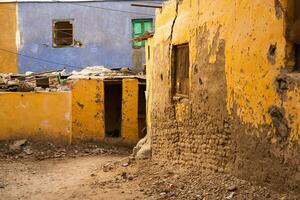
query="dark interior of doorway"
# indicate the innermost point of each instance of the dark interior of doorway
(113, 108)
(142, 111)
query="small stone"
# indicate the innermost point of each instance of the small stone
(230, 196)
(232, 188)
(129, 177)
(162, 194)
(34, 172)
(16, 147)
(28, 151)
(125, 164)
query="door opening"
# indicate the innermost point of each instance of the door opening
(142, 111)
(113, 108)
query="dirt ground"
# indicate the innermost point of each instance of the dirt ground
(101, 173)
(70, 178)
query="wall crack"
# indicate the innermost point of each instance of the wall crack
(172, 27)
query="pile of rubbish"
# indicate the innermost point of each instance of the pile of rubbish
(60, 80)
(100, 72)
(28, 82)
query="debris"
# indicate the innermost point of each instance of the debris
(16, 147)
(28, 151)
(125, 164)
(162, 194)
(232, 188)
(29, 73)
(230, 196)
(107, 167)
(102, 72)
(38, 89)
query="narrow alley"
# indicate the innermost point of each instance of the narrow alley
(150, 99)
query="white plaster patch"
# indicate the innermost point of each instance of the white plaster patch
(34, 48)
(68, 116)
(22, 105)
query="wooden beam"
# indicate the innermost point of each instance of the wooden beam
(147, 5)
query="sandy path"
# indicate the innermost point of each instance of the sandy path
(70, 178)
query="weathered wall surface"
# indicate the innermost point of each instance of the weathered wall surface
(129, 124)
(8, 47)
(105, 34)
(88, 110)
(149, 74)
(242, 115)
(67, 116)
(41, 115)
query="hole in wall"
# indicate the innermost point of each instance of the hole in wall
(272, 53)
(113, 108)
(142, 111)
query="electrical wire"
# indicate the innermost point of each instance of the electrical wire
(41, 59)
(90, 6)
(107, 9)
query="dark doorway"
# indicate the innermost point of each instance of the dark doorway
(142, 110)
(113, 108)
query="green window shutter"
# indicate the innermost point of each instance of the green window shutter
(141, 26)
(138, 28)
(148, 26)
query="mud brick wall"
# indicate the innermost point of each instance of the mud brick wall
(242, 113)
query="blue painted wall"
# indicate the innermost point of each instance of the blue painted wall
(106, 35)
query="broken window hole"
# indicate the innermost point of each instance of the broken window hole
(62, 33)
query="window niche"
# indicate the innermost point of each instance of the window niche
(63, 35)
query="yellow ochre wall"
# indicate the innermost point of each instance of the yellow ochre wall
(129, 124)
(67, 116)
(248, 29)
(88, 110)
(149, 74)
(42, 115)
(8, 46)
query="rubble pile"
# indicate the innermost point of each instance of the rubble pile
(160, 181)
(60, 80)
(37, 150)
(100, 72)
(43, 81)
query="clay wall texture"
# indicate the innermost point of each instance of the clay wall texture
(67, 117)
(8, 40)
(42, 115)
(242, 114)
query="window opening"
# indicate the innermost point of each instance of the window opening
(181, 67)
(62, 34)
(140, 27)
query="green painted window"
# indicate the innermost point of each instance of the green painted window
(139, 27)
